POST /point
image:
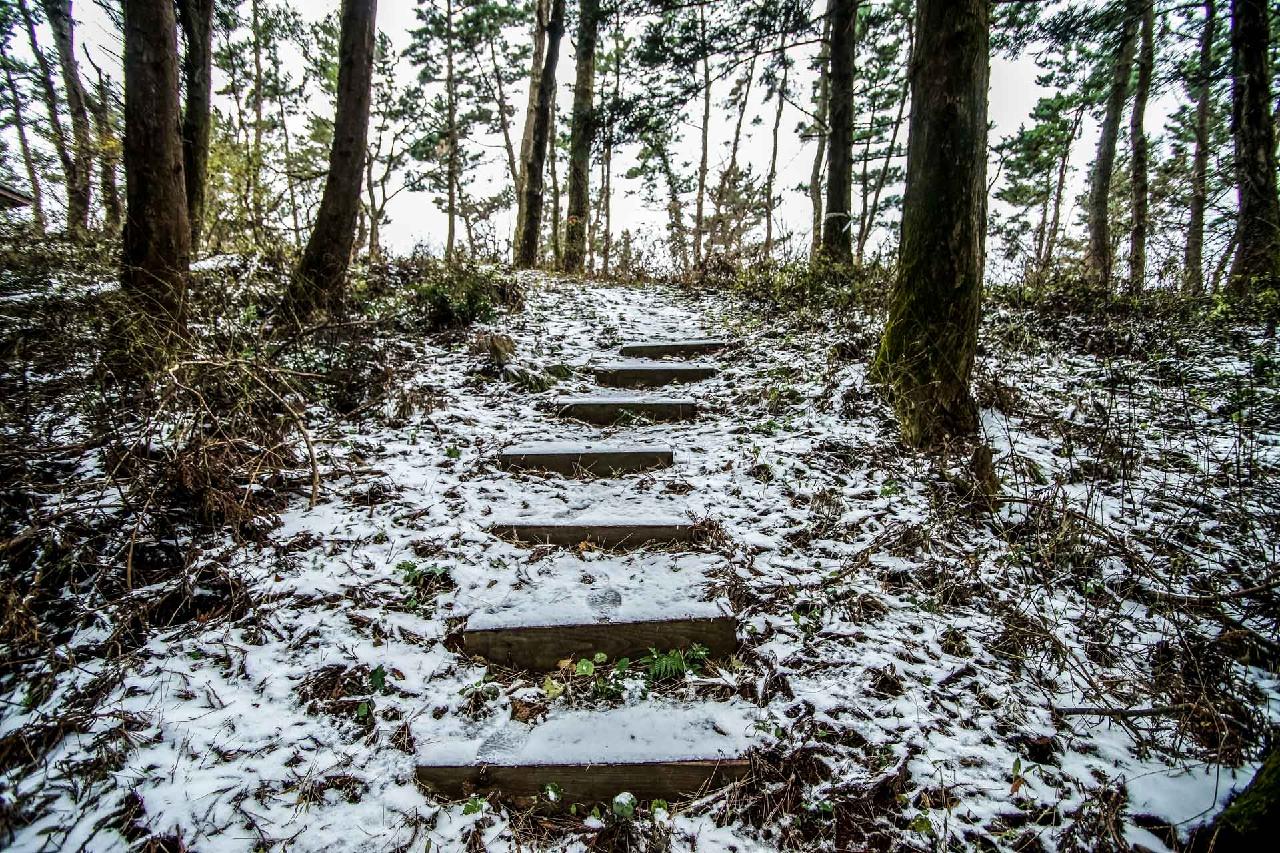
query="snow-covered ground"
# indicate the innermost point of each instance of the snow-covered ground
(903, 641)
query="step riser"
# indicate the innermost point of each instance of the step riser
(603, 464)
(605, 414)
(627, 377)
(621, 536)
(583, 783)
(674, 349)
(542, 648)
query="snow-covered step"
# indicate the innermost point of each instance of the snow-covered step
(606, 533)
(651, 374)
(674, 349)
(609, 410)
(543, 647)
(653, 750)
(601, 460)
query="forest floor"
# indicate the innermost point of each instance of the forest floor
(918, 633)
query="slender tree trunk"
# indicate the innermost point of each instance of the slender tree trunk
(196, 19)
(1100, 256)
(721, 233)
(79, 180)
(607, 190)
(1256, 266)
(541, 19)
(451, 99)
(675, 218)
(57, 133)
(821, 113)
(504, 120)
(156, 245)
(20, 125)
(255, 195)
(699, 216)
(553, 168)
(769, 189)
(864, 233)
(837, 242)
(930, 339)
(1138, 150)
(286, 141)
(375, 212)
(108, 156)
(319, 279)
(1059, 190)
(1193, 257)
(581, 136)
(536, 161)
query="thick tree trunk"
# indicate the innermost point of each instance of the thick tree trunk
(196, 19)
(1252, 818)
(318, 281)
(769, 190)
(1193, 257)
(930, 339)
(81, 176)
(1138, 151)
(821, 113)
(541, 17)
(837, 236)
(1256, 265)
(156, 245)
(536, 161)
(581, 136)
(1100, 257)
(700, 205)
(28, 163)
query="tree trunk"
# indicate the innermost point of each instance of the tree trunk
(57, 133)
(1256, 265)
(1059, 190)
(930, 339)
(156, 245)
(836, 232)
(108, 157)
(504, 120)
(196, 19)
(19, 123)
(1193, 257)
(864, 234)
(820, 127)
(1251, 819)
(699, 215)
(721, 233)
(451, 99)
(1100, 257)
(541, 18)
(255, 173)
(553, 168)
(581, 136)
(536, 160)
(607, 189)
(79, 180)
(318, 281)
(770, 201)
(1138, 150)
(375, 213)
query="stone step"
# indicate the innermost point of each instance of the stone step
(674, 349)
(542, 647)
(657, 749)
(606, 533)
(638, 374)
(609, 410)
(571, 460)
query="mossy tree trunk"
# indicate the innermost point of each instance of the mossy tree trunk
(1193, 256)
(319, 281)
(1252, 818)
(837, 236)
(1101, 257)
(930, 339)
(535, 164)
(156, 252)
(1256, 265)
(581, 136)
(196, 19)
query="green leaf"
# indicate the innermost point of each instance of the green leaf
(553, 792)
(624, 805)
(552, 688)
(378, 678)
(362, 710)
(585, 667)
(600, 657)
(473, 806)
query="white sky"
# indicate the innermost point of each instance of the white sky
(415, 218)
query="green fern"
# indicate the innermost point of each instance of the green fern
(675, 663)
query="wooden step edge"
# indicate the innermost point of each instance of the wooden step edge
(543, 647)
(665, 349)
(591, 462)
(651, 377)
(583, 782)
(603, 411)
(621, 535)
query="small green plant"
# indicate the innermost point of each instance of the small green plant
(475, 805)
(675, 663)
(453, 452)
(624, 806)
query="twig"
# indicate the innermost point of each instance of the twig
(1126, 713)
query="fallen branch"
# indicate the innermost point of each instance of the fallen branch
(1126, 713)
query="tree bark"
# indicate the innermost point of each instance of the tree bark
(1250, 820)
(319, 279)
(257, 99)
(1100, 258)
(156, 242)
(1256, 265)
(869, 221)
(700, 206)
(535, 162)
(541, 17)
(581, 136)
(20, 125)
(930, 339)
(773, 148)
(504, 120)
(821, 113)
(79, 180)
(1059, 190)
(607, 189)
(452, 168)
(837, 237)
(108, 156)
(1193, 256)
(57, 133)
(1138, 150)
(196, 20)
